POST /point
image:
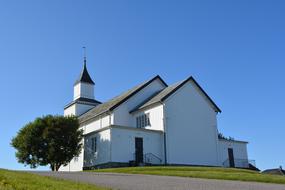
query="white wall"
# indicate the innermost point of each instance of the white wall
(239, 150)
(191, 128)
(103, 149)
(83, 90)
(123, 143)
(121, 113)
(76, 164)
(103, 153)
(77, 109)
(97, 124)
(70, 110)
(155, 117)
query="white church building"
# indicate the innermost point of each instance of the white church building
(152, 123)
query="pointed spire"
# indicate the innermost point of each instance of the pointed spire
(84, 55)
(84, 75)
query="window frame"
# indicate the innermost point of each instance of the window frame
(94, 144)
(143, 120)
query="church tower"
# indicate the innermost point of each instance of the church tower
(83, 95)
(84, 85)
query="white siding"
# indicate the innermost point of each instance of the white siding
(103, 149)
(155, 116)
(76, 164)
(76, 91)
(77, 109)
(70, 110)
(123, 143)
(191, 128)
(121, 114)
(239, 150)
(83, 90)
(97, 124)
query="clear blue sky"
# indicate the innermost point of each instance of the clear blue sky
(234, 49)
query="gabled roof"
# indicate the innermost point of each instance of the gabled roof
(84, 76)
(116, 101)
(156, 97)
(165, 93)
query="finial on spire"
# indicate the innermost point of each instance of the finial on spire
(84, 75)
(84, 55)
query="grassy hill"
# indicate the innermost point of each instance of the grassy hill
(201, 172)
(15, 180)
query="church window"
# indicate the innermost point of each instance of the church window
(94, 144)
(143, 121)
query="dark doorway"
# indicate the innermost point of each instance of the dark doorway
(231, 157)
(139, 150)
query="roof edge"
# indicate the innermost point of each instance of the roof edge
(139, 89)
(78, 101)
(191, 78)
(232, 140)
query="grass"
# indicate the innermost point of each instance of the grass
(201, 172)
(15, 180)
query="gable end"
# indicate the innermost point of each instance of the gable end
(199, 87)
(139, 89)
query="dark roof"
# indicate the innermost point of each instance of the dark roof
(83, 101)
(165, 93)
(276, 171)
(84, 76)
(116, 101)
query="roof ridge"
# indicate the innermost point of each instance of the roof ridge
(117, 100)
(168, 91)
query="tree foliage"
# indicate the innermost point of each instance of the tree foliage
(49, 140)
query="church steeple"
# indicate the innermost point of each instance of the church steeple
(84, 85)
(83, 95)
(84, 76)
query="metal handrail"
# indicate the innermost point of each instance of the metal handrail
(244, 162)
(154, 156)
(151, 155)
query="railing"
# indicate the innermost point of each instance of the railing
(90, 157)
(150, 158)
(239, 163)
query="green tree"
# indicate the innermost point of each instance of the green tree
(49, 140)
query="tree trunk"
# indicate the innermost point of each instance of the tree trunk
(55, 167)
(58, 166)
(52, 167)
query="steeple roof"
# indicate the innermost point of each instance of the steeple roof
(84, 76)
